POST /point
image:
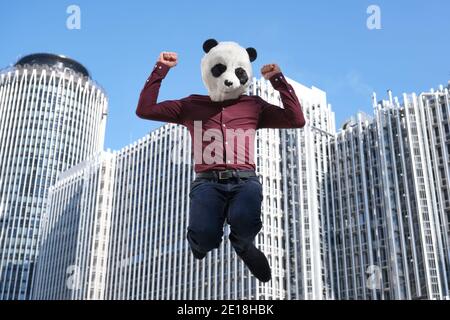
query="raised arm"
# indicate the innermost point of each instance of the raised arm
(148, 107)
(272, 116)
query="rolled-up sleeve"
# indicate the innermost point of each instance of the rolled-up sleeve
(290, 116)
(148, 107)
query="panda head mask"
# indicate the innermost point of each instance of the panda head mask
(226, 69)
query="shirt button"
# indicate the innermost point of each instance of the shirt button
(224, 125)
(226, 142)
(160, 67)
(229, 161)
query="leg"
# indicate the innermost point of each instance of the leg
(206, 217)
(244, 217)
(244, 214)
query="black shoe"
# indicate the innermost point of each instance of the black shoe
(257, 262)
(198, 255)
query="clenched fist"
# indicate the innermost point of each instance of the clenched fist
(270, 70)
(170, 59)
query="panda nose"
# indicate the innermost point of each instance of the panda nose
(228, 83)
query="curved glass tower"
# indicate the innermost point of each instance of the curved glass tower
(52, 116)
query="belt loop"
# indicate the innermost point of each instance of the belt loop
(215, 176)
(236, 176)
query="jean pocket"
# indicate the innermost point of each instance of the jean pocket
(197, 182)
(257, 183)
(254, 179)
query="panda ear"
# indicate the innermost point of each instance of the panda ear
(209, 44)
(252, 54)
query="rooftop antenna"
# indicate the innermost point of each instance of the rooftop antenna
(390, 96)
(374, 99)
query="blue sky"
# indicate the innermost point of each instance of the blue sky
(320, 43)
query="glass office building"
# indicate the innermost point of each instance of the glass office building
(52, 116)
(387, 216)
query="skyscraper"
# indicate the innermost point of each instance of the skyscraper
(301, 164)
(52, 116)
(436, 105)
(304, 155)
(386, 215)
(75, 229)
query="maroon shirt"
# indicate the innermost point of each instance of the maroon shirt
(247, 113)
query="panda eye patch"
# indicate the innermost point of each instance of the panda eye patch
(241, 74)
(218, 69)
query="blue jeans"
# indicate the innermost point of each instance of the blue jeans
(238, 200)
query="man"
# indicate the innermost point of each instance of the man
(226, 185)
